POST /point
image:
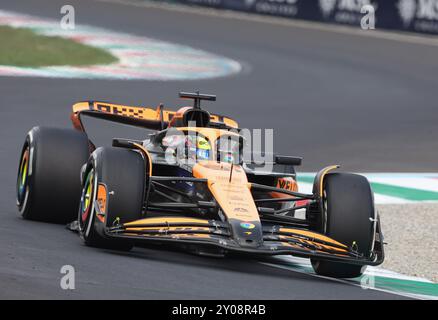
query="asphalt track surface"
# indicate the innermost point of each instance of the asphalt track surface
(367, 103)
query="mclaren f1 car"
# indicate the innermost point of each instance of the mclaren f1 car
(188, 183)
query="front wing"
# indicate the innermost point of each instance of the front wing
(277, 240)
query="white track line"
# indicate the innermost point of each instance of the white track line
(408, 295)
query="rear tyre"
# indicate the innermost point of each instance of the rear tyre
(48, 180)
(348, 217)
(112, 193)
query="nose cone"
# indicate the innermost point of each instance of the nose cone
(247, 233)
(232, 193)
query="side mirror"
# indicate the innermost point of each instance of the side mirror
(287, 160)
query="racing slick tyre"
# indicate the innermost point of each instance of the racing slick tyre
(113, 188)
(48, 184)
(348, 217)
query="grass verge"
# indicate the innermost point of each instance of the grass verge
(25, 48)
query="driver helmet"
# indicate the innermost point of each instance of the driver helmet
(203, 148)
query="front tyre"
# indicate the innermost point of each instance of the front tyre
(112, 193)
(348, 216)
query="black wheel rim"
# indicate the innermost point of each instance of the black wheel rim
(86, 200)
(23, 176)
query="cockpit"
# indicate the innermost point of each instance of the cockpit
(191, 146)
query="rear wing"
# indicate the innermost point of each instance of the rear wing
(145, 117)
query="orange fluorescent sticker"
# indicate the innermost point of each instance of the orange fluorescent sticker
(101, 199)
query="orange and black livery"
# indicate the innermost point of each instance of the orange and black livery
(188, 182)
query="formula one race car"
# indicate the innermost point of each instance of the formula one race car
(189, 183)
